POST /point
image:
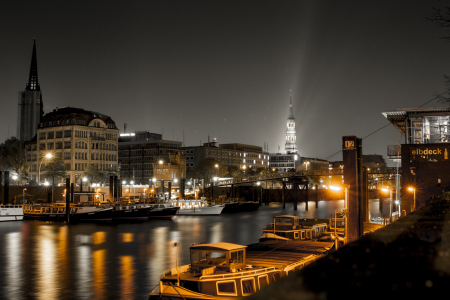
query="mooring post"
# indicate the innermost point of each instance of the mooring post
(6, 188)
(352, 160)
(111, 189)
(294, 186)
(317, 196)
(380, 197)
(67, 199)
(306, 197)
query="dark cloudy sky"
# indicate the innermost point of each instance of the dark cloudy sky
(226, 68)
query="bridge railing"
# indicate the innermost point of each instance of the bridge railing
(300, 173)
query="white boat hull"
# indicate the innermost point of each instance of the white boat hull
(207, 210)
(11, 213)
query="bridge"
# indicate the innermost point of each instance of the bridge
(388, 172)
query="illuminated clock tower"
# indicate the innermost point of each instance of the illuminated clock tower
(291, 139)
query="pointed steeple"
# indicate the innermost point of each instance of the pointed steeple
(291, 113)
(33, 84)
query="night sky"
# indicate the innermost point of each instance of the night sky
(227, 68)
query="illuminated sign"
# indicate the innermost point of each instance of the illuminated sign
(429, 153)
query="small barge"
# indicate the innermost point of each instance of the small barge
(229, 271)
(57, 212)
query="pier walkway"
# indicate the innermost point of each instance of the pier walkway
(301, 173)
(409, 259)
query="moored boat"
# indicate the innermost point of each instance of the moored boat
(11, 213)
(288, 227)
(197, 207)
(57, 212)
(230, 271)
(130, 212)
(162, 210)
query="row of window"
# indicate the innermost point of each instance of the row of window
(81, 133)
(83, 166)
(54, 134)
(291, 138)
(137, 166)
(148, 151)
(103, 146)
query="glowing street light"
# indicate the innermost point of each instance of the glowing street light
(411, 189)
(47, 156)
(124, 182)
(346, 212)
(386, 190)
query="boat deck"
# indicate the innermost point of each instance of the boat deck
(282, 254)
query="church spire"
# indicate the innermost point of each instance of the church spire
(33, 84)
(291, 138)
(291, 113)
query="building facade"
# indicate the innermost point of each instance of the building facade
(30, 105)
(77, 137)
(284, 162)
(425, 154)
(140, 151)
(234, 154)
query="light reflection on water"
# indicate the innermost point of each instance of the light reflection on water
(106, 261)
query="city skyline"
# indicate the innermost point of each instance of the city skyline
(227, 69)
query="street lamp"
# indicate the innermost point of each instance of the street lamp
(48, 156)
(217, 166)
(346, 212)
(386, 190)
(23, 198)
(411, 189)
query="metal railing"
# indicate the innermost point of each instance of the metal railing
(300, 173)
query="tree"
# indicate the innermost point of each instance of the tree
(54, 170)
(191, 173)
(207, 169)
(442, 19)
(93, 174)
(235, 172)
(13, 158)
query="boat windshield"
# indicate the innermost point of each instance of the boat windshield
(284, 221)
(213, 258)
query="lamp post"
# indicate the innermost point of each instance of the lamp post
(23, 198)
(346, 212)
(411, 189)
(48, 156)
(390, 191)
(217, 166)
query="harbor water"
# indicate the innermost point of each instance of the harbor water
(45, 260)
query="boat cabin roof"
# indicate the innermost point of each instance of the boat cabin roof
(287, 216)
(218, 246)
